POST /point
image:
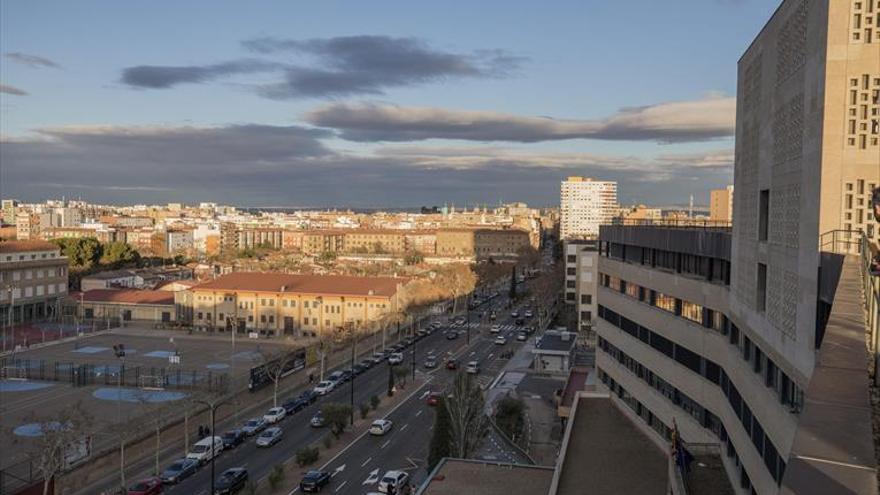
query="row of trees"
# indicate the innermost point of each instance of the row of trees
(460, 422)
(87, 252)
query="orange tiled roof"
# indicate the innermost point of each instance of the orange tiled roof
(129, 296)
(344, 285)
(22, 246)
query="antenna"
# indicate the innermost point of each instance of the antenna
(691, 207)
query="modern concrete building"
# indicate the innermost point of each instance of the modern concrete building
(582, 279)
(721, 204)
(585, 204)
(743, 338)
(33, 280)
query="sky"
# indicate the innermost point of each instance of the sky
(368, 104)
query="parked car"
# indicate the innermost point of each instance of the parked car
(522, 336)
(336, 376)
(492, 316)
(274, 415)
(146, 486)
(358, 368)
(253, 426)
(436, 324)
(313, 481)
(325, 387)
(395, 358)
(378, 357)
(380, 427)
(308, 396)
(434, 398)
(519, 322)
(495, 329)
(452, 364)
(231, 481)
(514, 314)
(317, 420)
(293, 406)
(472, 368)
(430, 362)
(233, 438)
(396, 482)
(451, 335)
(367, 363)
(269, 437)
(500, 340)
(179, 470)
(206, 449)
(528, 313)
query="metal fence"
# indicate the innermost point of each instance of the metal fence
(18, 476)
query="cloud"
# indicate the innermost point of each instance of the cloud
(335, 67)
(290, 165)
(680, 121)
(163, 77)
(12, 90)
(34, 61)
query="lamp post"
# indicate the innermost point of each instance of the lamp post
(213, 406)
(353, 344)
(119, 351)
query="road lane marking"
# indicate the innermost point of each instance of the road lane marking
(385, 444)
(366, 462)
(403, 427)
(340, 486)
(419, 412)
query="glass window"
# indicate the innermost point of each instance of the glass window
(632, 290)
(664, 302)
(691, 311)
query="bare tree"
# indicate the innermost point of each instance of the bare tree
(60, 435)
(467, 420)
(276, 364)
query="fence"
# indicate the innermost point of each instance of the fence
(37, 332)
(18, 476)
(81, 375)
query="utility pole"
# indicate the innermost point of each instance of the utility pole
(353, 344)
(213, 406)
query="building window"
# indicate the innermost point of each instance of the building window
(570, 284)
(761, 292)
(586, 299)
(763, 214)
(664, 302)
(571, 258)
(691, 311)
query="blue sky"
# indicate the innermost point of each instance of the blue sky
(465, 126)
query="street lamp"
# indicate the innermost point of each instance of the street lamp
(119, 352)
(213, 406)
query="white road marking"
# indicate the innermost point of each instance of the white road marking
(372, 478)
(424, 395)
(419, 412)
(385, 444)
(340, 486)
(366, 462)
(403, 427)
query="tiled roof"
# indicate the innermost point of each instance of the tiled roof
(129, 296)
(308, 284)
(23, 246)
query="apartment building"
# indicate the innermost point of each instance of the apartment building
(33, 280)
(27, 226)
(585, 205)
(714, 332)
(721, 204)
(284, 304)
(582, 280)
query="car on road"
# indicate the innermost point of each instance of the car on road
(233, 438)
(472, 368)
(434, 398)
(274, 415)
(146, 486)
(500, 340)
(317, 420)
(519, 322)
(325, 387)
(422, 332)
(492, 316)
(336, 376)
(396, 482)
(395, 358)
(206, 449)
(495, 329)
(231, 481)
(359, 368)
(380, 427)
(430, 362)
(529, 314)
(522, 336)
(313, 481)
(308, 396)
(452, 364)
(253, 426)
(293, 406)
(378, 357)
(178, 471)
(514, 314)
(367, 363)
(436, 324)
(451, 335)
(269, 437)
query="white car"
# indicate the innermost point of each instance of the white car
(394, 482)
(529, 314)
(500, 340)
(522, 337)
(380, 427)
(495, 329)
(472, 368)
(514, 314)
(325, 387)
(275, 415)
(269, 437)
(395, 358)
(206, 449)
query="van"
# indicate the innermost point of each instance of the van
(473, 368)
(202, 450)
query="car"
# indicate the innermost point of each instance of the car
(529, 314)
(231, 481)
(317, 420)
(206, 449)
(514, 314)
(522, 336)
(380, 427)
(274, 415)
(430, 362)
(253, 426)
(436, 324)
(358, 368)
(395, 358)
(378, 357)
(531, 329)
(324, 387)
(495, 329)
(472, 368)
(269, 437)
(451, 335)
(347, 374)
(452, 364)
(500, 340)
(396, 482)
(367, 363)
(422, 332)
(233, 438)
(146, 486)
(336, 376)
(178, 471)
(434, 398)
(313, 481)
(308, 396)
(519, 322)
(492, 316)
(294, 405)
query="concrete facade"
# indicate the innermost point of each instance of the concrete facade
(585, 204)
(33, 280)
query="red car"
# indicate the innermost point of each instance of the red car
(147, 486)
(452, 364)
(434, 398)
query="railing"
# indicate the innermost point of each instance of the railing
(686, 223)
(842, 241)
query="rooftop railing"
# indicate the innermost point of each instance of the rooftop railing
(683, 223)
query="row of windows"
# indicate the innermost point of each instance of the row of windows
(22, 257)
(287, 303)
(710, 269)
(763, 445)
(15, 275)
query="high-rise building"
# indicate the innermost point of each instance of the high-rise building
(722, 336)
(721, 204)
(584, 205)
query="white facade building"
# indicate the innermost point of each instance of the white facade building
(584, 205)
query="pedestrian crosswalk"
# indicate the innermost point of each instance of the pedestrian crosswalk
(506, 328)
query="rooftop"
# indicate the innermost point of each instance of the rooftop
(555, 341)
(343, 285)
(458, 476)
(26, 246)
(605, 451)
(127, 296)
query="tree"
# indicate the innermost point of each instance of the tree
(510, 416)
(82, 252)
(276, 365)
(513, 283)
(118, 254)
(327, 257)
(467, 419)
(400, 374)
(337, 416)
(441, 439)
(60, 436)
(390, 381)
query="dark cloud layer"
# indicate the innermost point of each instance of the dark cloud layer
(681, 121)
(34, 61)
(271, 165)
(334, 67)
(12, 90)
